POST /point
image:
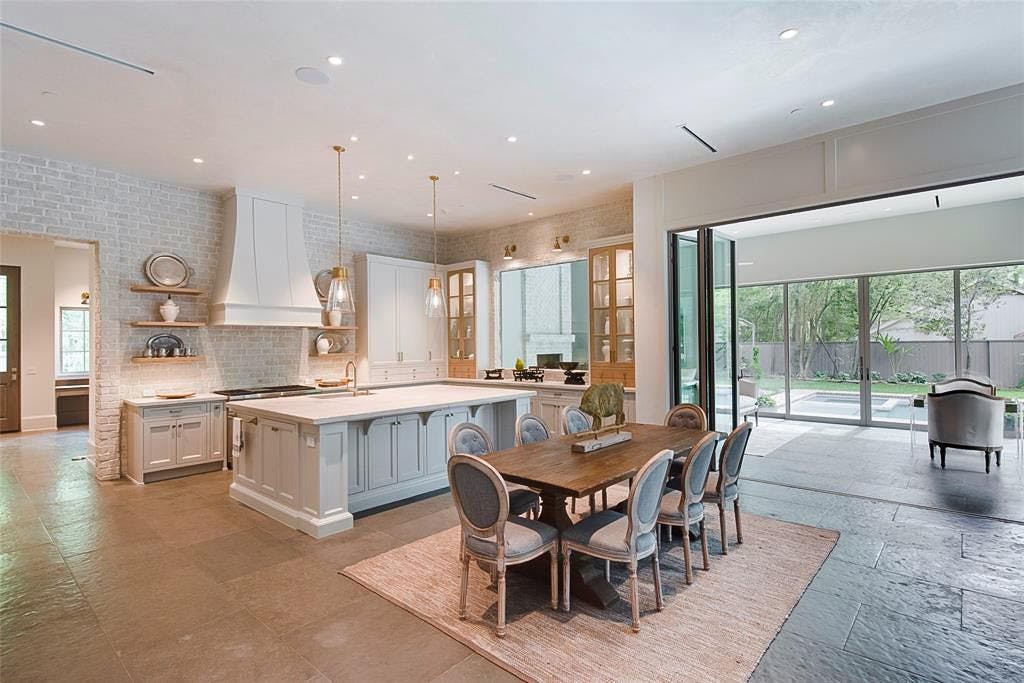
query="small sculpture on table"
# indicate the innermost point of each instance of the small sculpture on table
(600, 401)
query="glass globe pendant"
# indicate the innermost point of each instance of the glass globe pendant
(434, 302)
(339, 295)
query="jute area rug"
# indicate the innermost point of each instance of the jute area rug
(716, 629)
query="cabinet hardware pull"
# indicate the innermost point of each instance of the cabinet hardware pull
(174, 412)
(273, 429)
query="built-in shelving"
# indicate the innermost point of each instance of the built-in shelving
(341, 354)
(154, 289)
(338, 328)
(159, 323)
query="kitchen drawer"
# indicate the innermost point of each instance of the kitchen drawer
(175, 411)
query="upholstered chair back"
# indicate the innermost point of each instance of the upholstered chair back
(696, 471)
(530, 429)
(467, 438)
(645, 496)
(965, 418)
(980, 385)
(687, 416)
(732, 455)
(480, 496)
(574, 420)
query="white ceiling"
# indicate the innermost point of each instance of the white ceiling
(582, 85)
(917, 202)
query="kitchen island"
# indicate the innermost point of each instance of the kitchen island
(311, 461)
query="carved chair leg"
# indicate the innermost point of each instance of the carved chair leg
(464, 589)
(686, 558)
(988, 460)
(999, 458)
(942, 456)
(604, 493)
(566, 575)
(554, 577)
(658, 601)
(704, 546)
(669, 529)
(501, 601)
(634, 596)
(931, 450)
(739, 527)
(608, 571)
(725, 532)
(574, 506)
(592, 501)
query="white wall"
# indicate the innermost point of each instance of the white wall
(969, 235)
(35, 257)
(974, 137)
(70, 279)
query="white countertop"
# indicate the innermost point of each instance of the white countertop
(539, 386)
(154, 401)
(341, 407)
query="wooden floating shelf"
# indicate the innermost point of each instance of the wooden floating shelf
(344, 354)
(338, 328)
(166, 359)
(157, 323)
(154, 289)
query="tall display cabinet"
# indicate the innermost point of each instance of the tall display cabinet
(612, 340)
(468, 292)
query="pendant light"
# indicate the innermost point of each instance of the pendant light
(339, 296)
(434, 303)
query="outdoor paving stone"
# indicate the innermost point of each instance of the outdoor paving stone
(943, 653)
(872, 586)
(993, 617)
(823, 617)
(793, 659)
(931, 565)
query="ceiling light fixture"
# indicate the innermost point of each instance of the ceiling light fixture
(788, 34)
(197, 160)
(37, 122)
(355, 196)
(430, 215)
(339, 296)
(558, 244)
(457, 172)
(530, 214)
(585, 171)
(334, 60)
(509, 250)
(827, 103)
(434, 303)
(354, 138)
(511, 138)
(745, 263)
(362, 177)
(410, 157)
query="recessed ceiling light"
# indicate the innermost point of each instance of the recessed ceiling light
(334, 60)
(430, 215)
(745, 263)
(828, 103)
(788, 34)
(458, 172)
(355, 196)
(37, 122)
(354, 138)
(362, 177)
(511, 138)
(410, 157)
(585, 171)
(197, 160)
(530, 214)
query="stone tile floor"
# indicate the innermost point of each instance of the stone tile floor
(108, 581)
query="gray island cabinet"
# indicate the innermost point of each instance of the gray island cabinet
(311, 461)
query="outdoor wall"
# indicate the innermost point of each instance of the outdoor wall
(35, 257)
(128, 218)
(970, 235)
(974, 137)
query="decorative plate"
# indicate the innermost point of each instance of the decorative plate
(175, 394)
(339, 342)
(322, 282)
(164, 341)
(167, 270)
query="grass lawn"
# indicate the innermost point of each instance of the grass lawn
(778, 385)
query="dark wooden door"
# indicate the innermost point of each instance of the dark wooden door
(10, 348)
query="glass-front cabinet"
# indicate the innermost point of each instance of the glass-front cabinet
(612, 342)
(467, 287)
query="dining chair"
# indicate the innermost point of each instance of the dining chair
(575, 421)
(685, 508)
(723, 486)
(530, 429)
(687, 416)
(616, 537)
(489, 535)
(467, 438)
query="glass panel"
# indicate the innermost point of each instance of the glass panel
(624, 321)
(722, 336)
(545, 310)
(72, 341)
(762, 346)
(453, 307)
(467, 283)
(600, 267)
(992, 326)
(602, 349)
(823, 355)
(467, 328)
(910, 324)
(74, 362)
(625, 353)
(453, 327)
(623, 292)
(3, 356)
(467, 304)
(3, 322)
(470, 348)
(687, 322)
(602, 297)
(3, 289)
(454, 348)
(602, 322)
(453, 284)
(624, 263)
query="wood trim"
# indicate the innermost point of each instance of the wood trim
(158, 323)
(155, 289)
(10, 381)
(169, 359)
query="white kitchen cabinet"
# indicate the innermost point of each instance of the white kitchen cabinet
(439, 425)
(278, 475)
(549, 403)
(166, 435)
(246, 466)
(396, 341)
(380, 454)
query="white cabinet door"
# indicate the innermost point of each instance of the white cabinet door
(158, 444)
(382, 313)
(248, 463)
(217, 427)
(287, 461)
(356, 459)
(550, 411)
(270, 446)
(192, 440)
(380, 454)
(413, 330)
(408, 454)
(437, 442)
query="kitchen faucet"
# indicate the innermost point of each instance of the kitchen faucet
(355, 382)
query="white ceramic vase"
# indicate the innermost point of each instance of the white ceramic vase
(334, 318)
(169, 310)
(323, 346)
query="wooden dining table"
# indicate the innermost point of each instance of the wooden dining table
(558, 472)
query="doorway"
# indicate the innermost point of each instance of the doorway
(10, 348)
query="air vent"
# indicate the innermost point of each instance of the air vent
(77, 48)
(937, 205)
(511, 191)
(686, 129)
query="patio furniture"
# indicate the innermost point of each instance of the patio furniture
(724, 486)
(685, 508)
(467, 438)
(489, 535)
(964, 383)
(968, 420)
(559, 473)
(617, 537)
(746, 400)
(575, 421)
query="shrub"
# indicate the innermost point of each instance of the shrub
(939, 376)
(876, 376)
(766, 400)
(917, 377)
(820, 374)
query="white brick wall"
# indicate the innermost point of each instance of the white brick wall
(129, 218)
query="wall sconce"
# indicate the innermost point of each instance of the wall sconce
(509, 250)
(558, 244)
(85, 298)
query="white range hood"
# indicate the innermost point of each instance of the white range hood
(263, 277)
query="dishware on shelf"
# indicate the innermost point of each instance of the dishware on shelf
(175, 394)
(169, 310)
(164, 341)
(167, 270)
(337, 342)
(161, 352)
(572, 375)
(324, 345)
(322, 283)
(148, 353)
(334, 318)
